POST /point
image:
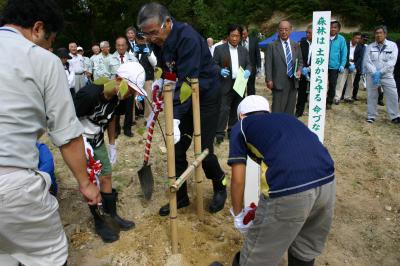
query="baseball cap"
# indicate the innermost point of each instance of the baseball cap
(63, 53)
(134, 74)
(79, 48)
(252, 103)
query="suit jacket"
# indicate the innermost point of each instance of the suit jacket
(254, 54)
(276, 68)
(348, 54)
(358, 57)
(222, 58)
(304, 46)
(396, 71)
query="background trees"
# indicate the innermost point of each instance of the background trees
(90, 21)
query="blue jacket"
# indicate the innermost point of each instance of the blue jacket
(186, 53)
(337, 52)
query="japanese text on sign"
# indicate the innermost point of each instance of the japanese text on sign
(319, 72)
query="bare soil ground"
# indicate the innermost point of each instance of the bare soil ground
(366, 229)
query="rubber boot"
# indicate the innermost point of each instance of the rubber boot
(293, 261)
(110, 206)
(182, 199)
(219, 198)
(106, 233)
(236, 259)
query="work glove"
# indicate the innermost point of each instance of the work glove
(376, 78)
(177, 132)
(136, 49)
(341, 69)
(352, 67)
(304, 71)
(112, 153)
(140, 98)
(88, 148)
(225, 72)
(238, 221)
(246, 74)
(250, 213)
(146, 51)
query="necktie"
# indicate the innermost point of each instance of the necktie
(289, 61)
(122, 58)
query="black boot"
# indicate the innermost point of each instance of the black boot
(219, 198)
(293, 261)
(106, 233)
(110, 206)
(182, 199)
(236, 259)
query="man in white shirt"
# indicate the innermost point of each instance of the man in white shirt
(230, 57)
(211, 47)
(88, 64)
(34, 99)
(77, 63)
(101, 62)
(349, 72)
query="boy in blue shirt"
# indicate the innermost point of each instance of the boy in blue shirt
(296, 205)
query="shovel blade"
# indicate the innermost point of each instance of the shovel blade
(146, 181)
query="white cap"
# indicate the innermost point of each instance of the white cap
(252, 103)
(79, 48)
(133, 72)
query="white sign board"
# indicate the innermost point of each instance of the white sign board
(252, 185)
(319, 72)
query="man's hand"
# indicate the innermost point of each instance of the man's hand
(298, 74)
(177, 132)
(341, 69)
(246, 74)
(270, 85)
(112, 156)
(238, 221)
(225, 72)
(90, 192)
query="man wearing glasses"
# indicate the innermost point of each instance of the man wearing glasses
(183, 54)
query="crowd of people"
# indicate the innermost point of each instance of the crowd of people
(78, 99)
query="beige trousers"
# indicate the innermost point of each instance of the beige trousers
(342, 78)
(31, 231)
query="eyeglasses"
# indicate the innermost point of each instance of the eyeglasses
(152, 33)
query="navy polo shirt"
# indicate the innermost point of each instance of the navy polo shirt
(292, 158)
(186, 53)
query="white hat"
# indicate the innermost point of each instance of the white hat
(133, 72)
(252, 103)
(79, 48)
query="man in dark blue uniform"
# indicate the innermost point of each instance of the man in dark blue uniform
(183, 54)
(295, 208)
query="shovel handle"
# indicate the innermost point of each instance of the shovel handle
(149, 139)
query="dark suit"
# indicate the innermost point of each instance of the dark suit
(229, 98)
(358, 61)
(284, 88)
(255, 61)
(302, 91)
(396, 71)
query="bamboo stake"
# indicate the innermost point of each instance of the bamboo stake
(185, 175)
(169, 129)
(197, 147)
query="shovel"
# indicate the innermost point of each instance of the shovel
(145, 174)
(94, 173)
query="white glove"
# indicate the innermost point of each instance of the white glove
(238, 221)
(112, 153)
(177, 132)
(87, 147)
(159, 83)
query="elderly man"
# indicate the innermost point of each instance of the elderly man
(283, 65)
(77, 64)
(31, 231)
(211, 47)
(183, 54)
(120, 57)
(251, 45)
(95, 50)
(379, 61)
(101, 62)
(88, 63)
